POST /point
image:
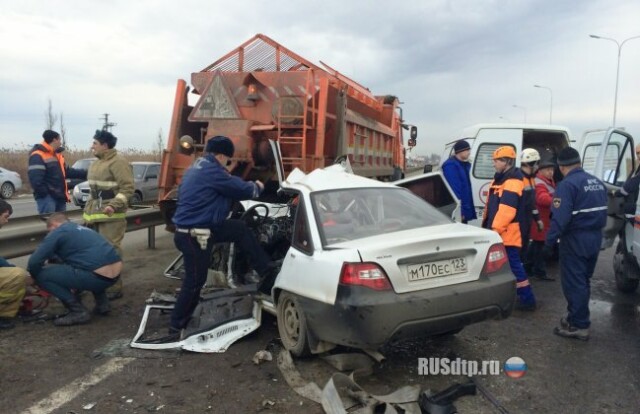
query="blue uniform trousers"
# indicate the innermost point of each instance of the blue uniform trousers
(59, 279)
(523, 288)
(196, 264)
(576, 270)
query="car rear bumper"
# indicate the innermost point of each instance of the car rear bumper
(365, 318)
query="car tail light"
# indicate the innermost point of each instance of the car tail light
(496, 258)
(364, 274)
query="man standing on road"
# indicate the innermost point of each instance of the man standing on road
(204, 201)
(89, 262)
(503, 214)
(578, 214)
(111, 184)
(529, 166)
(13, 280)
(48, 172)
(456, 171)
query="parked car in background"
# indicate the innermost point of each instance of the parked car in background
(10, 182)
(145, 177)
(82, 164)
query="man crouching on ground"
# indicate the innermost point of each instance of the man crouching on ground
(87, 262)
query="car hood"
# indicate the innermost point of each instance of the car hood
(402, 252)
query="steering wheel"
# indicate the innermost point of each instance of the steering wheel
(253, 217)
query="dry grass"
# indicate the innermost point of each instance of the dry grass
(18, 159)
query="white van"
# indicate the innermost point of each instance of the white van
(484, 139)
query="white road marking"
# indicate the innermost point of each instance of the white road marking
(70, 391)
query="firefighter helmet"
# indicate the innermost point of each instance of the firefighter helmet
(504, 152)
(529, 155)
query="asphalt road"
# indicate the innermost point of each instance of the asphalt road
(46, 369)
(24, 205)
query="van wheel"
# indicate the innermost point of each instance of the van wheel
(292, 325)
(6, 191)
(625, 270)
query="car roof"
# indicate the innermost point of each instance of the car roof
(330, 178)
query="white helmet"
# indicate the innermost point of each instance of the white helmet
(529, 155)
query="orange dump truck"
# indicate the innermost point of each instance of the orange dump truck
(262, 91)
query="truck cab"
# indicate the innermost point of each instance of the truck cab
(484, 139)
(609, 155)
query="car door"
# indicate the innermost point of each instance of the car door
(609, 155)
(434, 189)
(150, 183)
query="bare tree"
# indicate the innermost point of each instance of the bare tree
(63, 130)
(49, 117)
(159, 145)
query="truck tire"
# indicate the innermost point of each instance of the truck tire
(625, 270)
(397, 174)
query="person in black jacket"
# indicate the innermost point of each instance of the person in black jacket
(48, 172)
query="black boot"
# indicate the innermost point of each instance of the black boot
(103, 307)
(7, 323)
(77, 314)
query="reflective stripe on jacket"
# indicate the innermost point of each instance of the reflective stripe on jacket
(110, 180)
(505, 207)
(48, 171)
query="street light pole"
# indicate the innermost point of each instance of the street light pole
(525, 111)
(615, 99)
(550, 101)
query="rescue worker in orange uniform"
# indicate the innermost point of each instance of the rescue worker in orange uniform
(504, 214)
(48, 172)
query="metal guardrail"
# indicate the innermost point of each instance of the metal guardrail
(22, 235)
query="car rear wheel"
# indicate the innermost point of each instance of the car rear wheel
(6, 190)
(625, 271)
(292, 325)
(136, 198)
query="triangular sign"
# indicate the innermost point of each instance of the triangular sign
(215, 102)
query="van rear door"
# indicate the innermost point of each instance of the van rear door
(609, 155)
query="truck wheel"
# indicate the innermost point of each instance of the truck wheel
(625, 270)
(292, 325)
(397, 174)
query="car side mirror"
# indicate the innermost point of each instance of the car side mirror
(413, 132)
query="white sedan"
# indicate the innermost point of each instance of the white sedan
(10, 182)
(362, 263)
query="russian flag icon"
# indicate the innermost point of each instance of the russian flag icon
(515, 367)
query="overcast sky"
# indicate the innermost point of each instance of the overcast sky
(452, 63)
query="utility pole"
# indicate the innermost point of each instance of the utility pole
(107, 125)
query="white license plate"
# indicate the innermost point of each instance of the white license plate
(436, 269)
(85, 197)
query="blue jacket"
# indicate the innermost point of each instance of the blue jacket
(206, 193)
(48, 171)
(457, 174)
(77, 246)
(578, 213)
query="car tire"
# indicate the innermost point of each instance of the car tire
(623, 268)
(136, 198)
(7, 190)
(292, 325)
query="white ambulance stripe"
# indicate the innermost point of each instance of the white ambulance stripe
(589, 210)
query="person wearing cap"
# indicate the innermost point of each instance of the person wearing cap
(578, 214)
(48, 172)
(529, 166)
(205, 196)
(504, 214)
(111, 186)
(456, 171)
(545, 188)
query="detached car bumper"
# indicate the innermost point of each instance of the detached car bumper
(365, 318)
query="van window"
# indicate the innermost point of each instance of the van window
(618, 161)
(483, 164)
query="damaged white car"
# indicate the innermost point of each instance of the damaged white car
(363, 263)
